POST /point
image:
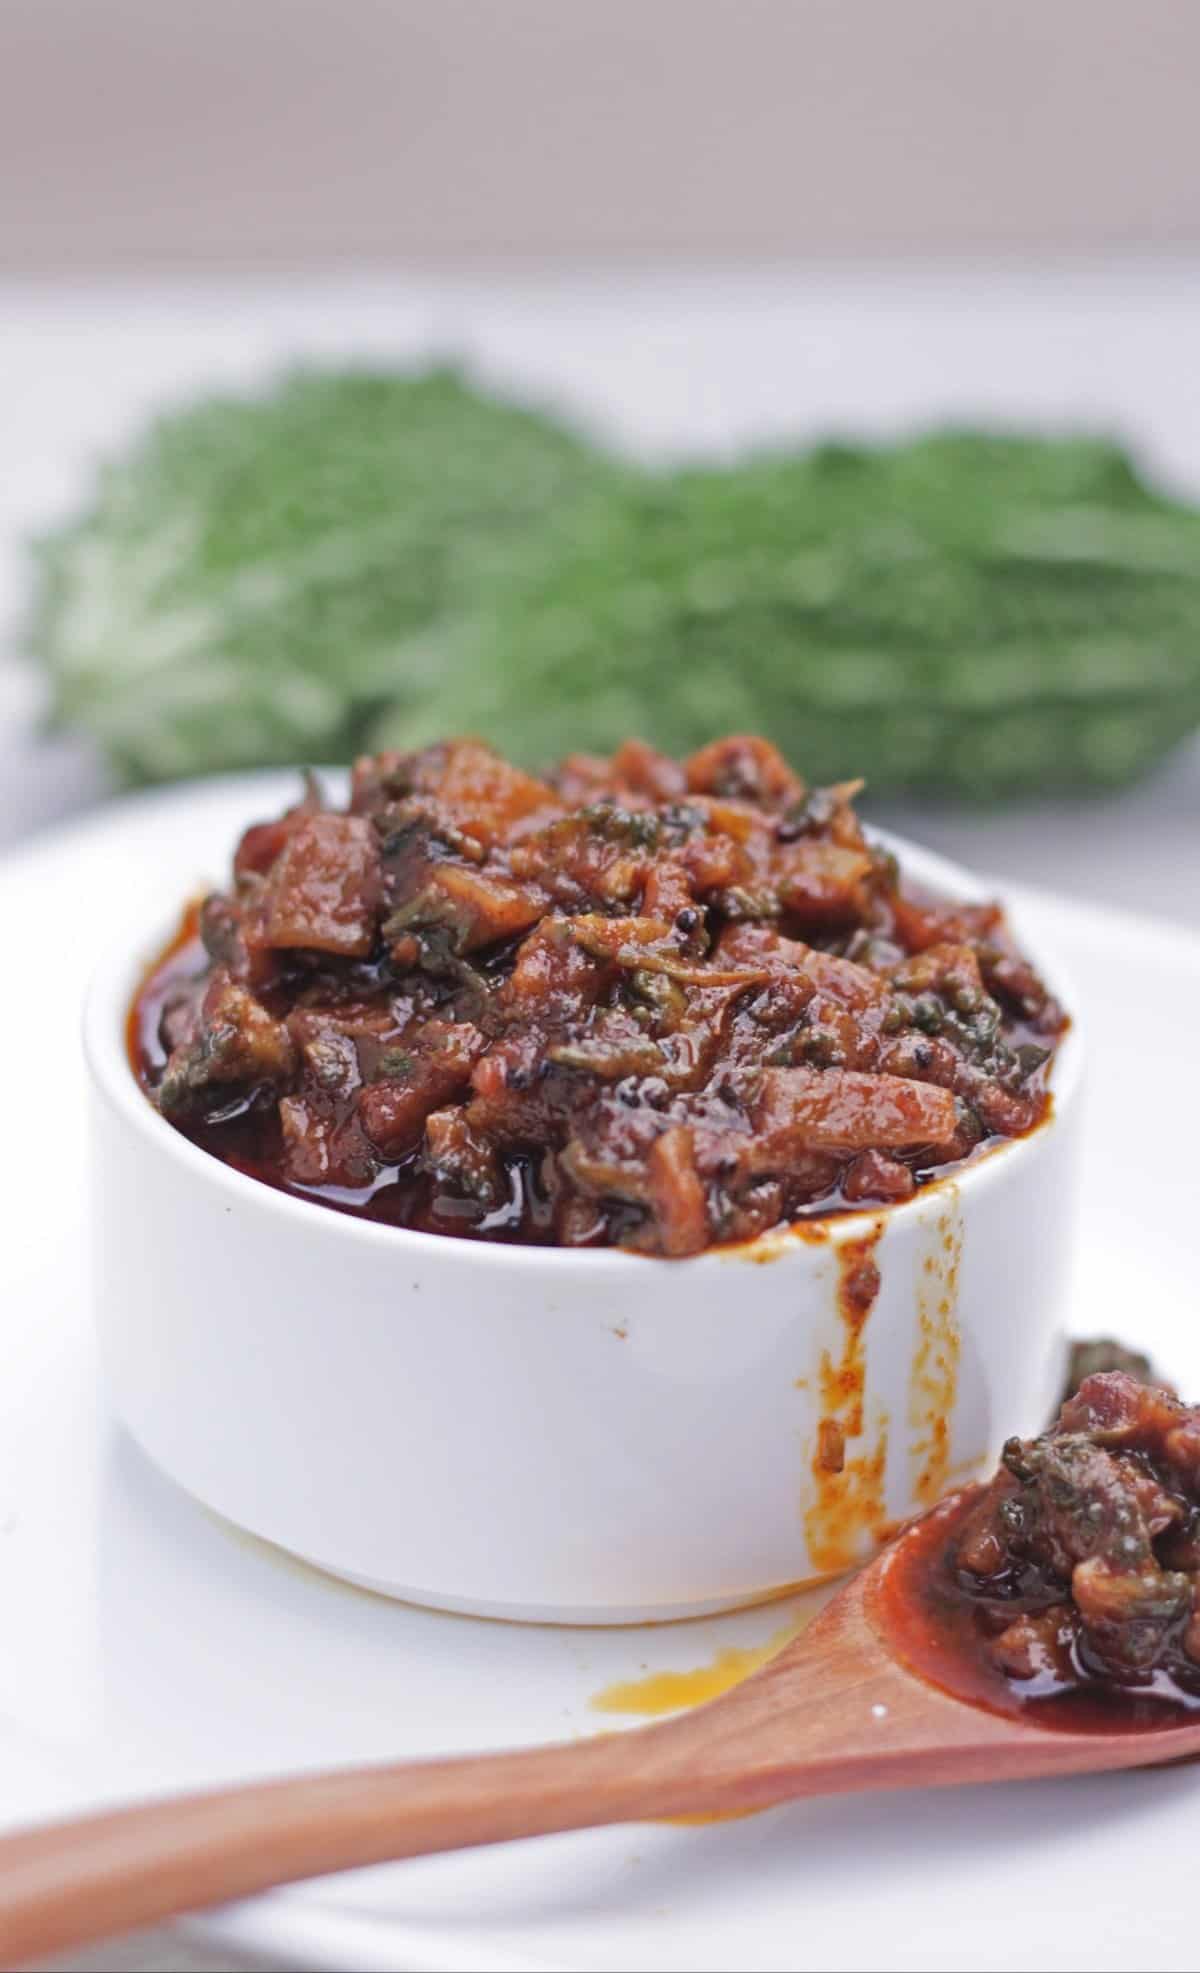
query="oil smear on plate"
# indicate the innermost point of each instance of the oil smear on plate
(661, 1692)
(656, 1693)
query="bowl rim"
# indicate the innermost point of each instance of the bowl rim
(117, 976)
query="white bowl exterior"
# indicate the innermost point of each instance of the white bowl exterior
(558, 1436)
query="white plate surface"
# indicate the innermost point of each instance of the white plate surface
(145, 1646)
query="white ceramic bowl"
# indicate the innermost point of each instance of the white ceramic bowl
(575, 1437)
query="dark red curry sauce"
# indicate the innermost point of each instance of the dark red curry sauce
(1069, 1586)
(641, 1003)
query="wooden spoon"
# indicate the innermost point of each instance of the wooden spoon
(835, 1712)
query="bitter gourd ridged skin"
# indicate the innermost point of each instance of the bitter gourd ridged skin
(967, 615)
(356, 559)
(251, 582)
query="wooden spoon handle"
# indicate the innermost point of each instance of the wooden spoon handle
(832, 1714)
(92, 1877)
(805, 1724)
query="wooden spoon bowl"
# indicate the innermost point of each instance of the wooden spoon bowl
(837, 1711)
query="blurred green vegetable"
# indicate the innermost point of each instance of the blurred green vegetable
(252, 581)
(379, 560)
(964, 614)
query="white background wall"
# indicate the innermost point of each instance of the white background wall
(161, 132)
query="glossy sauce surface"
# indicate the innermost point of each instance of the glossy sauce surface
(938, 1627)
(248, 1137)
(657, 1005)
